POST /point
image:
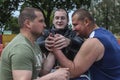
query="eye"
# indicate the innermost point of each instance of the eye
(74, 25)
(42, 20)
(63, 18)
(56, 17)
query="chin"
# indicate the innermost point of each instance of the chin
(43, 33)
(77, 34)
(59, 27)
(37, 36)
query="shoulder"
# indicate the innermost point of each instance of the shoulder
(92, 46)
(21, 49)
(19, 46)
(92, 43)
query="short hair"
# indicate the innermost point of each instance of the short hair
(82, 14)
(61, 9)
(27, 13)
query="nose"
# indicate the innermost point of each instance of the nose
(73, 28)
(59, 19)
(44, 25)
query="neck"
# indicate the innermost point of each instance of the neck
(28, 35)
(93, 28)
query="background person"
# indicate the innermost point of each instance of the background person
(67, 41)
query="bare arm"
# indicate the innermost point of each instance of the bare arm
(92, 50)
(22, 75)
(48, 63)
(60, 74)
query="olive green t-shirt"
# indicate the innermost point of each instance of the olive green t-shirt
(20, 54)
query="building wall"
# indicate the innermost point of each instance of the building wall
(6, 38)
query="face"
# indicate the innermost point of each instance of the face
(60, 19)
(79, 26)
(38, 24)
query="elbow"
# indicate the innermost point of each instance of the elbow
(75, 72)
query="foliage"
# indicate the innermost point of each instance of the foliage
(7, 6)
(48, 6)
(12, 25)
(106, 13)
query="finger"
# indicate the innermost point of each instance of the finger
(57, 67)
(51, 34)
(58, 41)
(49, 42)
(50, 37)
(64, 68)
(49, 48)
(60, 45)
(58, 37)
(49, 45)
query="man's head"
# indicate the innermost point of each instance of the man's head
(60, 18)
(32, 20)
(82, 22)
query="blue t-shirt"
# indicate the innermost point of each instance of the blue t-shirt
(108, 68)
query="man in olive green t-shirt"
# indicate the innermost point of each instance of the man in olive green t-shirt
(22, 59)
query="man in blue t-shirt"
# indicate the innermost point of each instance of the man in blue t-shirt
(99, 54)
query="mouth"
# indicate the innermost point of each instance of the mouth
(60, 24)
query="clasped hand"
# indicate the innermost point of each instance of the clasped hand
(56, 41)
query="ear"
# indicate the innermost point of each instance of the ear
(27, 23)
(86, 21)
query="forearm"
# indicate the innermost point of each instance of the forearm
(64, 62)
(49, 76)
(59, 74)
(48, 64)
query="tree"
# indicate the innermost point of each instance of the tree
(7, 6)
(49, 5)
(12, 25)
(106, 13)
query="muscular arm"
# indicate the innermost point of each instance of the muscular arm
(21, 60)
(60, 74)
(92, 50)
(22, 75)
(48, 64)
(21, 70)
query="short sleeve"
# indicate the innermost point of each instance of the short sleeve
(22, 57)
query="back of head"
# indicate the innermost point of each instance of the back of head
(82, 14)
(27, 13)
